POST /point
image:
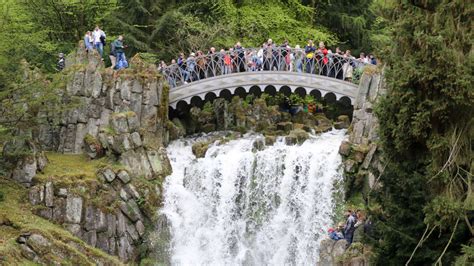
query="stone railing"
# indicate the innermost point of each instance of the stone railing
(200, 66)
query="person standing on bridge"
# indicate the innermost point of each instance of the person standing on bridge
(182, 68)
(212, 62)
(323, 60)
(298, 59)
(240, 57)
(191, 67)
(309, 51)
(268, 55)
(201, 64)
(348, 67)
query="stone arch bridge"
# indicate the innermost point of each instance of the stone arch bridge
(241, 72)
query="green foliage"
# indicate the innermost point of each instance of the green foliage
(309, 99)
(295, 99)
(208, 107)
(426, 131)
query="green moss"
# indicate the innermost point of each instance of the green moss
(70, 167)
(20, 217)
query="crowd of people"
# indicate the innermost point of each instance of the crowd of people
(352, 230)
(310, 59)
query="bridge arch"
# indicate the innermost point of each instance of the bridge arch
(226, 86)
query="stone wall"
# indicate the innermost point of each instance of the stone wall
(113, 213)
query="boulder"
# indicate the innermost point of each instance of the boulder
(25, 170)
(39, 244)
(28, 253)
(296, 136)
(200, 148)
(345, 148)
(350, 166)
(285, 126)
(270, 140)
(259, 144)
(344, 121)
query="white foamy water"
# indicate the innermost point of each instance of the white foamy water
(237, 206)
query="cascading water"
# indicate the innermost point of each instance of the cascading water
(239, 206)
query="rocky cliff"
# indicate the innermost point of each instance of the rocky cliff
(116, 119)
(362, 162)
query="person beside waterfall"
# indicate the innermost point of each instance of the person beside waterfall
(349, 226)
(359, 227)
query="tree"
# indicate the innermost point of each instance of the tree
(426, 130)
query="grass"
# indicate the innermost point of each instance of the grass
(71, 167)
(18, 212)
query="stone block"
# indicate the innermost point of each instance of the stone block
(131, 210)
(59, 210)
(34, 194)
(136, 139)
(111, 225)
(123, 176)
(49, 194)
(90, 238)
(132, 232)
(108, 174)
(140, 228)
(74, 209)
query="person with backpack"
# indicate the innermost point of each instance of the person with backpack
(98, 37)
(119, 53)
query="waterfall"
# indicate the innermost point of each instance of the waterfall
(239, 206)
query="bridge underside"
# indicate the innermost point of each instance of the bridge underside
(261, 82)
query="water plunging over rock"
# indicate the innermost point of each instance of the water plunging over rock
(239, 205)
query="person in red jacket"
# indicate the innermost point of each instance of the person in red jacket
(323, 59)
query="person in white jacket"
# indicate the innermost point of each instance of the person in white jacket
(98, 37)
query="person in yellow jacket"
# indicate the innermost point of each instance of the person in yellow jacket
(309, 50)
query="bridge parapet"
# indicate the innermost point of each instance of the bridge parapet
(197, 76)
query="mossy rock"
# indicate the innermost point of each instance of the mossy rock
(200, 148)
(296, 136)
